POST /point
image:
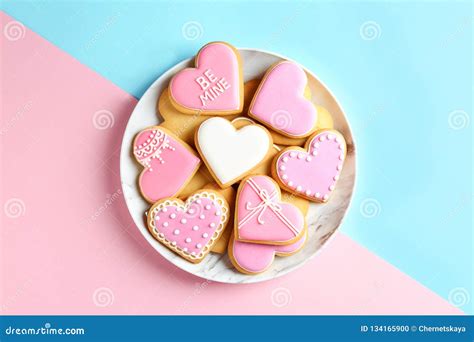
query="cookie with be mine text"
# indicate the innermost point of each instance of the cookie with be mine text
(214, 86)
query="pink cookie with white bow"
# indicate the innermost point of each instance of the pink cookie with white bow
(190, 228)
(313, 172)
(214, 86)
(279, 102)
(261, 217)
(254, 258)
(169, 163)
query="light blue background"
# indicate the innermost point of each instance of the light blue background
(398, 91)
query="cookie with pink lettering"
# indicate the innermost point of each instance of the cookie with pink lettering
(312, 173)
(169, 163)
(191, 228)
(261, 217)
(230, 153)
(254, 258)
(279, 102)
(214, 86)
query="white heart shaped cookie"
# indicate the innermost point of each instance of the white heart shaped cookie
(230, 153)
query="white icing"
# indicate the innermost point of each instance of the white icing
(183, 220)
(202, 217)
(195, 228)
(205, 235)
(165, 224)
(188, 240)
(230, 153)
(176, 232)
(208, 207)
(173, 215)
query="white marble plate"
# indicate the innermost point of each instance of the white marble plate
(323, 220)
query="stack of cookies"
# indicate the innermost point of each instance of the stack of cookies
(233, 166)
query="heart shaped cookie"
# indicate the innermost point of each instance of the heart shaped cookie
(261, 216)
(312, 173)
(190, 228)
(214, 86)
(230, 153)
(169, 163)
(279, 102)
(253, 258)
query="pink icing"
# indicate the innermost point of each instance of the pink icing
(261, 217)
(256, 258)
(168, 163)
(280, 103)
(314, 173)
(214, 85)
(191, 227)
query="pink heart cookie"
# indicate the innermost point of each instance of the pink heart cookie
(312, 173)
(279, 102)
(261, 216)
(214, 86)
(190, 228)
(253, 258)
(169, 163)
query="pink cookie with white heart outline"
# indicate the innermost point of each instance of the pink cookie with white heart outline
(313, 172)
(190, 228)
(214, 86)
(254, 258)
(261, 217)
(169, 163)
(279, 101)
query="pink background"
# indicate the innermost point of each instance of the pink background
(69, 246)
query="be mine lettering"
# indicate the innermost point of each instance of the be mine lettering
(212, 86)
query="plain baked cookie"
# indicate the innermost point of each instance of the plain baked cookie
(191, 228)
(169, 163)
(229, 153)
(312, 173)
(214, 86)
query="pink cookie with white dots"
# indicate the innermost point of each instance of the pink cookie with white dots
(190, 228)
(169, 163)
(313, 172)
